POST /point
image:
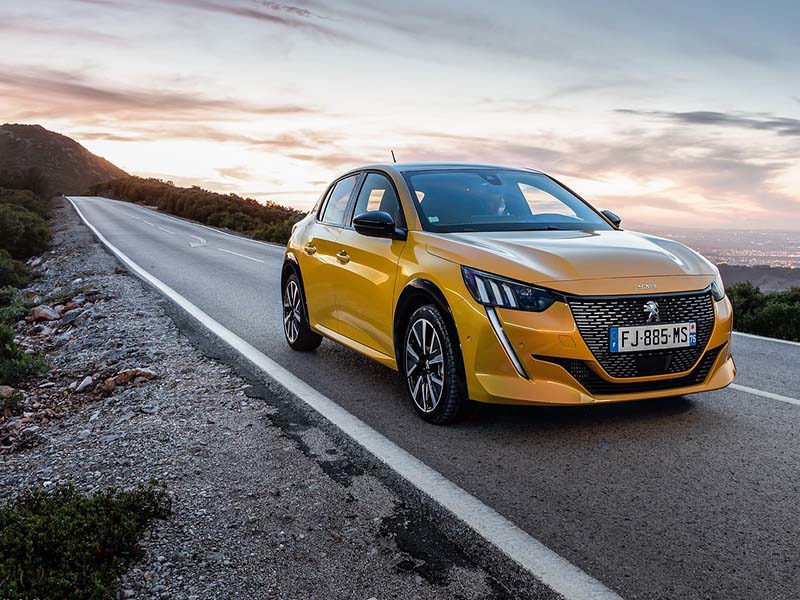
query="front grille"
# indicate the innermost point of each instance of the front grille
(597, 386)
(595, 316)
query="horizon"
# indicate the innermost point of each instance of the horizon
(272, 100)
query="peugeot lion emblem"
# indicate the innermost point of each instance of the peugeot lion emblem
(651, 308)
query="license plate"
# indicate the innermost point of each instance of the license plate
(653, 337)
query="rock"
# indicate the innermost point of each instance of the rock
(108, 385)
(127, 375)
(150, 408)
(70, 306)
(6, 391)
(76, 282)
(85, 384)
(35, 262)
(59, 308)
(80, 299)
(81, 318)
(70, 316)
(42, 313)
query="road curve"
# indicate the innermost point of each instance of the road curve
(695, 497)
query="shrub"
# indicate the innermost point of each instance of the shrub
(16, 364)
(26, 199)
(269, 221)
(22, 232)
(62, 544)
(772, 314)
(12, 272)
(13, 307)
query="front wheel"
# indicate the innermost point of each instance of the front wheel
(298, 332)
(431, 368)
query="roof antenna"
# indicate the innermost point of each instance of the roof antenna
(393, 158)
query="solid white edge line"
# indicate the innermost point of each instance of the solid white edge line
(548, 567)
(766, 339)
(241, 255)
(763, 394)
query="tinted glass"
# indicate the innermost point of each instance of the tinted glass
(334, 210)
(498, 200)
(378, 193)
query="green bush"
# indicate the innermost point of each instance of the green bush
(269, 221)
(26, 199)
(16, 364)
(13, 307)
(22, 232)
(772, 314)
(62, 544)
(12, 271)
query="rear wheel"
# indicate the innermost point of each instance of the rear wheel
(298, 332)
(431, 368)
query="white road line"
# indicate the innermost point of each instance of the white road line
(242, 255)
(167, 230)
(766, 339)
(763, 394)
(272, 245)
(554, 571)
(200, 241)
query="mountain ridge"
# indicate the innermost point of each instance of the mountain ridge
(33, 157)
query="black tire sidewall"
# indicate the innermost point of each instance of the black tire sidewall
(453, 401)
(307, 339)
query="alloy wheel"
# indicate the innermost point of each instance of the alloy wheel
(292, 310)
(424, 365)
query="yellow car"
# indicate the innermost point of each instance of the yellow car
(492, 284)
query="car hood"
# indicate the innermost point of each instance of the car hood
(560, 256)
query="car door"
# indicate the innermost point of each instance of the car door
(318, 264)
(367, 269)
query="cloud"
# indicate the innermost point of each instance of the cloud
(41, 92)
(273, 13)
(301, 139)
(764, 122)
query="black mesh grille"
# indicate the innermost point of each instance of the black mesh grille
(595, 316)
(597, 386)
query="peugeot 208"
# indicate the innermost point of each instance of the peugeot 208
(492, 284)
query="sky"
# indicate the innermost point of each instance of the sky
(672, 114)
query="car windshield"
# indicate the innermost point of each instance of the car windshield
(458, 200)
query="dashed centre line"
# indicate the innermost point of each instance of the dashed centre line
(242, 255)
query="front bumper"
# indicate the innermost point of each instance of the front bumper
(559, 367)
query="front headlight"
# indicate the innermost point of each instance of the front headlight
(717, 287)
(492, 290)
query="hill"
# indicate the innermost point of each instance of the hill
(31, 157)
(769, 279)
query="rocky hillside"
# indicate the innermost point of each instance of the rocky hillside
(31, 157)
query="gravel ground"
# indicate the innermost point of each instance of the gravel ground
(268, 502)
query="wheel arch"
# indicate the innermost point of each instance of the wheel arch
(416, 293)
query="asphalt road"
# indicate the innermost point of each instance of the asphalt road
(696, 497)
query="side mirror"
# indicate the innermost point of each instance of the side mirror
(615, 220)
(377, 223)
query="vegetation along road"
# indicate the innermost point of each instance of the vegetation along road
(690, 497)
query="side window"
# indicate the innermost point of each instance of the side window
(378, 193)
(335, 209)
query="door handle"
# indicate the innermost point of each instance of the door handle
(310, 248)
(343, 257)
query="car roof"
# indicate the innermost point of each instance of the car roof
(433, 166)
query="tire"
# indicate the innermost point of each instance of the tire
(298, 332)
(440, 361)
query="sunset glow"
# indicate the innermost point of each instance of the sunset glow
(663, 113)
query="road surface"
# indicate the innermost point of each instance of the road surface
(697, 497)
